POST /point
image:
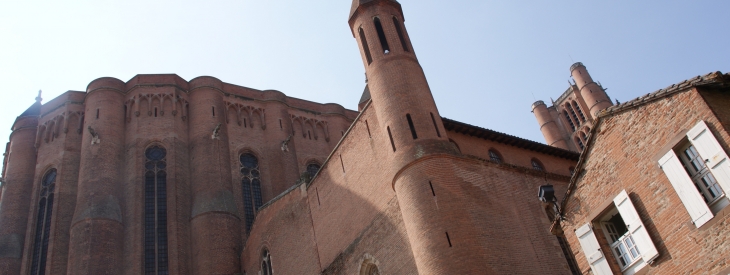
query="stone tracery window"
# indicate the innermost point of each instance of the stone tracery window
(155, 212)
(251, 186)
(43, 223)
(266, 268)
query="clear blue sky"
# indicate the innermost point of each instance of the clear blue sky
(485, 60)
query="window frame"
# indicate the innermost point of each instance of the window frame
(674, 163)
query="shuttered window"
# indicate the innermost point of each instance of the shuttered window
(700, 174)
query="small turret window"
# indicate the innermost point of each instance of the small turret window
(43, 223)
(402, 38)
(365, 47)
(381, 35)
(413, 128)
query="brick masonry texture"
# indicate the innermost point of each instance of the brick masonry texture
(624, 156)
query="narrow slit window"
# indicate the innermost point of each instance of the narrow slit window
(342, 163)
(155, 111)
(438, 133)
(381, 36)
(368, 127)
(280, 125)
(244, 123)
(97, 113)
(213, 108)
(400, 34)
(365, 47)
(391, 139)
(432, 191)
(448, 238)
(413, 128)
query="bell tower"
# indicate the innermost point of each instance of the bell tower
(428, 187)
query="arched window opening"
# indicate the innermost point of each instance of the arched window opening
(369, 268)
(381, 36)
(266, 263)
(494, 156)
(583, 137)
(155, 211)
(579, 142)
(402, 38)
(580, 112)
(251, 183)
(43, 223)
(313, 168)
(413, 128)
(365, 47)
(537, 165)
(567, 117)
(572, 113)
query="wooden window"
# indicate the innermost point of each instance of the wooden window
(402, 38)
(155, 211)
(381, 35)
(365, 47)
(251, 186)
(697, 169)
(43, 223)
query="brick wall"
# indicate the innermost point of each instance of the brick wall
(624, 156)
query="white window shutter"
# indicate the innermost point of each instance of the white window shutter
(685, 188)
(592, 250)
(636, 227)
(710, 150)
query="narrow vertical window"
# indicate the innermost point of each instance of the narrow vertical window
(368, 127)
(391, 139)
(43, 224)
(572, 112)
(436, 126)
(570, 121)
(155, 211)
(381, 35)
(432, 191)
(213, 108)
(400, 34)
(579, 143)
(280, 125)
(97, 113)
(342, 163)
(365, 47)
(155, 111)
(251, 186)
(448, 238)
(410, 124)
(580, 112)
(266, 263)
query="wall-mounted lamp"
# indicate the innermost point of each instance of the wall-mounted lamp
(546, 194)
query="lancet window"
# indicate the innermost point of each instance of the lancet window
(43, 223)
(251, 186)
(155, 212)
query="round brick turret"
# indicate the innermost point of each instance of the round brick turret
(17, 190)
(548, 127)
(96, 237)
(594, 96)
(214, 205)
(407, 115)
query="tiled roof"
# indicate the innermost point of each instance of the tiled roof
(476, 131)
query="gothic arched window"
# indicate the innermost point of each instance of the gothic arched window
(266, 263)
(580, 143)
(537, 165)
(570, 121)
(43, 223)
(580, 112)
(494, 156)
(312, 169)
(400, 34)
(251, 186)
(155, 211)
(365, 47)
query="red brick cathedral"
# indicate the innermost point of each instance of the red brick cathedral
(159, 175)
